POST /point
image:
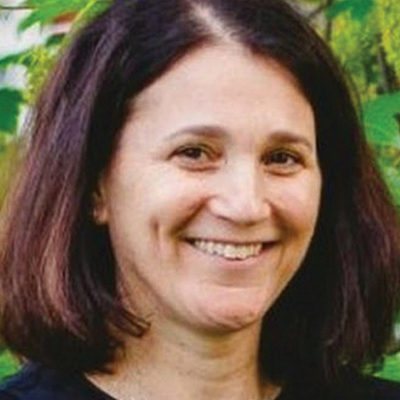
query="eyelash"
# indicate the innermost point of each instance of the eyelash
(286, 167)
(192, 154)
(190, 149)
(296, 159)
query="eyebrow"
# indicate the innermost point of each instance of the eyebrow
(289, 137)
(208, 131)
(218, 132)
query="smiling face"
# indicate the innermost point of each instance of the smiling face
(213, 193)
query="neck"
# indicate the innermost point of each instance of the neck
(171, 362)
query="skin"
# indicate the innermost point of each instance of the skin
(221, 147)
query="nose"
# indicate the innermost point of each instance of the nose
(240, 195)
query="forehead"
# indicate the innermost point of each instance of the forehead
(217, 64)
(228, 86)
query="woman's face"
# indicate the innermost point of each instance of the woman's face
(213, 194)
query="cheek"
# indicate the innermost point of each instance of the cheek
(169, 200)
(298, 203)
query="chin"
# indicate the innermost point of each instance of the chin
(231, 313)
(233, 321)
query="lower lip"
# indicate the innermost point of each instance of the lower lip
(236, 263)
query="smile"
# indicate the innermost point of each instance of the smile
(228, 250)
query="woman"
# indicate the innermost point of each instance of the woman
(198, 216)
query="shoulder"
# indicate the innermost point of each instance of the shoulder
(363, 387)
(36, 382)
(23, 381)
(352, 387)
(378, 389)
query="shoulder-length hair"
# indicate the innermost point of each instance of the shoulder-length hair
(61, 292)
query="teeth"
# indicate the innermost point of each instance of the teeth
(230, 251)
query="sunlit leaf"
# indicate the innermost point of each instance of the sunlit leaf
(92, 9)
(8, 364)
(391, 368)
(388, 21)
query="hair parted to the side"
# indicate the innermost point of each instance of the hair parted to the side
(61, 290)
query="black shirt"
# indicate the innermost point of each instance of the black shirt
(35, 382)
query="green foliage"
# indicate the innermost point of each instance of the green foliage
(388, 18)
(356, 44)
(365, 36)
(55, 40)
(45, 11)
(8, 364)
(21, 58)
(37, 60)
(380, 119)
(10, 102)
(391, 368)
(90, 10)
(358, 9)
(382, 128)
(42, 58)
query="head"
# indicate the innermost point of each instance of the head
(217, 169)
(66, 278)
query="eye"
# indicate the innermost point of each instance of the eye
(196, 156)
(282, 157)
(282, 161)
(193, 153)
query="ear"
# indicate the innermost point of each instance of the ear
(99, 204)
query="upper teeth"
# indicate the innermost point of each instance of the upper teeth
(228, 250)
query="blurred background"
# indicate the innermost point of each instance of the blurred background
(364, 35)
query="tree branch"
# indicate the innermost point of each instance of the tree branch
(14, 8)
(316, 11)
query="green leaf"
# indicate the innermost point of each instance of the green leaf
(62, 4)
(337, 8)
(45, 11)
(10, 102)
(391, 368)
(27, 57)
(55, 40)
(392, 179)
(380, 120)
(359, 9)
(383, 132)
(22, 58)
(92, 9)
(8, 364)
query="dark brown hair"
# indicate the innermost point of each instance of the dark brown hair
(60, 286)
